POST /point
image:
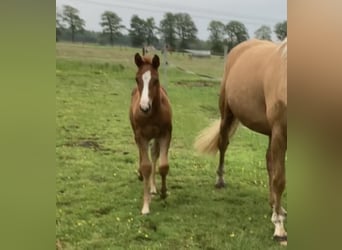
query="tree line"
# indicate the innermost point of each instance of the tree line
(176, 30)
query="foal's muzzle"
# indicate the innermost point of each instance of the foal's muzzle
(145, 109)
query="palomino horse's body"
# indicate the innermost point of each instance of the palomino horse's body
(151, 118)
(254, 92)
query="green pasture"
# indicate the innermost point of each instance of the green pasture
(98, 195)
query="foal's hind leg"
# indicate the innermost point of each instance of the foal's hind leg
(227, 119)
(164, 163)
(278, 149)
(155, 151)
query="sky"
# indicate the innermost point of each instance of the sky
(252, 13)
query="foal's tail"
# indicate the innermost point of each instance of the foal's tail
(208, 139)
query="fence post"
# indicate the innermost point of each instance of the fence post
(165, 63)
(225, 53)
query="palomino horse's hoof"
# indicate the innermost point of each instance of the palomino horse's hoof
(281, 239)
(220, 185)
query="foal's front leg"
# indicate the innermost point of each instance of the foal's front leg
(145, 170)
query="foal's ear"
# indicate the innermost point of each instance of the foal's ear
(138, 60)
(155, 62)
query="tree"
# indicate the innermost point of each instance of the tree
(71, 17)
(263, 33)
(185, 29)
(216, 37)
(59, 26)
(151, 28)
(142, 31)
(136, 32)
(237, 33)
(281, 30)
(167, 29)
(111, 25)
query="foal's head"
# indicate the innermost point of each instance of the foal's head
(147, 79)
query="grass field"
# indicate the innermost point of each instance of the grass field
(99, 197)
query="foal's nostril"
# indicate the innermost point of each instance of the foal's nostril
(145, 110)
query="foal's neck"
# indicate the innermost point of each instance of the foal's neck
(157, 99)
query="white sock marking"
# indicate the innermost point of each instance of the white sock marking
(278, 221)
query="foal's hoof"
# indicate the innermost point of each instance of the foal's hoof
(284, 211)
(140, 177)
(146, 212)
(281, 239)
(153, 192)
(163, 195)
(220, 185)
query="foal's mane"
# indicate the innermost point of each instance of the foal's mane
(147, 59)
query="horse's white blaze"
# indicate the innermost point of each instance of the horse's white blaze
(145, 100)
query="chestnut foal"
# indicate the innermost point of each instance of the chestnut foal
(151, 119)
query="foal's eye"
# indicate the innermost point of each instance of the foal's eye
(137, 79)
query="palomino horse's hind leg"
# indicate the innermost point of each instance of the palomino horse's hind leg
(269, 171)
(145, 170)
(164, 163)
(278, 149)
(155, 151)
(226, 124)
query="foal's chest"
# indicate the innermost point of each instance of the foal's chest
(151, 131)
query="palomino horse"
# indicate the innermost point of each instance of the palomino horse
(254, 92)
(151, 118)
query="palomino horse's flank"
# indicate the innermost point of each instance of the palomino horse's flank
(254, 92)
(151, 119)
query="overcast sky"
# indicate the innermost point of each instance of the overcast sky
(252, 13)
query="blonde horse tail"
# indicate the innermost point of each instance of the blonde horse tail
(208, 139)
